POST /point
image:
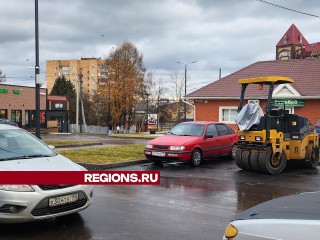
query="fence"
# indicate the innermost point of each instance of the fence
(98, 129)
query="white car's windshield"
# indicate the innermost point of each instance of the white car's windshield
(17, 144)
(187, 129)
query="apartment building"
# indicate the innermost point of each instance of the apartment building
(94, 72)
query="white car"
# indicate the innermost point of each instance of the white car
(21, 151)
(294, 217)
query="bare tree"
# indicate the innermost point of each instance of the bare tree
(178, 83)
(2, 76)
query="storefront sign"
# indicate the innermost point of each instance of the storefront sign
(3, 90)
(58, 106)
(16, 92)
(288, 102)
(152, 121)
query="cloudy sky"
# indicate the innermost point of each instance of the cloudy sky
(226, 34)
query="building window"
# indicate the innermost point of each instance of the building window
(3, 113)
(227, 114)
(65, 74)
(16, 116)
(64, 68)
(27, 113)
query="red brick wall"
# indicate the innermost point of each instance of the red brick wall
(311, 110)
(210, 111)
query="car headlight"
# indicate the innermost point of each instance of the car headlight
(17, 188)
(231, 231)
(176, 148)
(149, 146)
(258, 138)
(241, 137)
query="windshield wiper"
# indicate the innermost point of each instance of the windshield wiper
(15, 158)
(7, 151)
(172, 133)
(25, 157)
(38, 155)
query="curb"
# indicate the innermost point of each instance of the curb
(92, 166)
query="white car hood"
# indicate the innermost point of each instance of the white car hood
(55, 163)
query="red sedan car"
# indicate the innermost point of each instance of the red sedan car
(192, 142)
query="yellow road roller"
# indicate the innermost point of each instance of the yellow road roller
(268, 139)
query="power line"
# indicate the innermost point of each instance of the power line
(288, 9)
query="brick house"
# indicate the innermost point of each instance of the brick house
(218, 101)
(17, 103)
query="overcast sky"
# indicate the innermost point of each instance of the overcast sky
(226, 34)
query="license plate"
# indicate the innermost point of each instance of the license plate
(159, 154)
(63, 199)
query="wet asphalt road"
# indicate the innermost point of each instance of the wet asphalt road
(190, 203)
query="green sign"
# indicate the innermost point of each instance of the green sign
(16, 92)
(288, 102)
(3, 90)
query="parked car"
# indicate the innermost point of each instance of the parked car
(318, 126)
(7, 121)
(21, 151)
(192, 142)
(293, 217)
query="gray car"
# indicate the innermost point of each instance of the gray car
(21, 151)
(7, 121)
(293, 217)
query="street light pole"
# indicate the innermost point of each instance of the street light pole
(37, 72)
(185, 85)
(147, 112)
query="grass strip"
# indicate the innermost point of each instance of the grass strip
(106, 155)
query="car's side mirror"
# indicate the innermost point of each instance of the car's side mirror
(209, 136)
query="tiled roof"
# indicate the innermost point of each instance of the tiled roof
(309, 49)
(305, 73)
(292, 37)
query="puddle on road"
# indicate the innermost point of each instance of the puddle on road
(241, 195)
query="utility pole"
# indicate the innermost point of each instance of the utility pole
(37, 72)
(77, 105)
(109, 106)
(147, 111)
(80, 102)
(185, 85)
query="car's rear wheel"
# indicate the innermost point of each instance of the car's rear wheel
(196, 158)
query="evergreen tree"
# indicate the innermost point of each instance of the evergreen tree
(64, 87)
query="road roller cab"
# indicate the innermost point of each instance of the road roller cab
(266, 141)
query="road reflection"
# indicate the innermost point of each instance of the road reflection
(240, 195)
